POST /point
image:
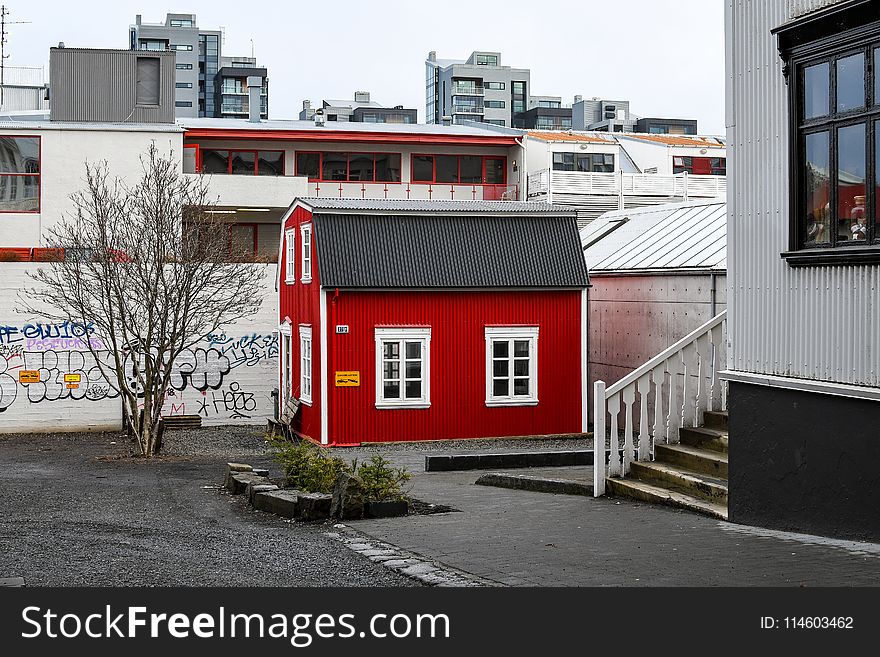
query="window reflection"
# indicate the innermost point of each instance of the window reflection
(816, 90)
(850, 82)
(851, 222)
(817, 186)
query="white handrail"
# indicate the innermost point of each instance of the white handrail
(638, 373)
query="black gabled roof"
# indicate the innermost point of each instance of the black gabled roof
(448, 250)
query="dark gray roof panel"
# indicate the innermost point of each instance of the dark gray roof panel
(448, 251)
(403, 205)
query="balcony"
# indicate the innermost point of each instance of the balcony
(416, 191)
(467, 109)
(459, 89)
(253, 191)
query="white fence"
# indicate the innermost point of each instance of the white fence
(673, 390)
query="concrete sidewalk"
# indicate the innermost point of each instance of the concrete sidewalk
(523, 538)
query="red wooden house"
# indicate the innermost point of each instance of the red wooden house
(422, 320)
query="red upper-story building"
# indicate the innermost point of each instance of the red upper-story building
(420, 320)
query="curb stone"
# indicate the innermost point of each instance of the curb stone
(412, 565)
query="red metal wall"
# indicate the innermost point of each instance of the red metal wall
(301, 302)
(458, 364)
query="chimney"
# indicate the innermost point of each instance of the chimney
(432, 56)
(319, 117)
(578, 98)
(362, 96)
(446, 120)
(307, 104)
(255, 88)
(60, 44)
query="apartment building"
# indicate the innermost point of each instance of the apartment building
(207, 84)
(360, 109)
(605, 115)
(476, 89)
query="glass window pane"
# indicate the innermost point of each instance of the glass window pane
(19, 193)
(391, 369)
(360, 166)
(244, 162)
(413, 349)
(19, 155)
(308, 164)
(335, 166)
(876, 176)
(392, 349)
(816, 90)
(413, 389)
(471, 169)
(423, 168)
(521, 387)
(851, 82)
(447, 168)
(271, 163)
(817, 188)
(388, 167)
(214, 161)
(500, 349)
(391, 390)
(521, 367)
(500, 367)
(413, 369)
(495, 171)
(520, 348)
(851, 182)
(500, 387)
(876, 76)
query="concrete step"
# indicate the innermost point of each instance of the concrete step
(680, 480)
(704, 438)
(640, 490)
(691, 458)
(715, 419)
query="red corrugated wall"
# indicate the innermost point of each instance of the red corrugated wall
(301, 302)
(458, 364)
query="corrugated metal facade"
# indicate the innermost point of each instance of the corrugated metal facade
(812, 322)
(101, 85)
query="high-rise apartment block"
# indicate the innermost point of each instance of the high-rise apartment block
(206, 83)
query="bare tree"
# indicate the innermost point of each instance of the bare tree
(154, 270)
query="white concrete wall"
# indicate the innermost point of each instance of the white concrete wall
(226, 379)
(63, 152)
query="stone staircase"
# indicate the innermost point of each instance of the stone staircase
(690, 475)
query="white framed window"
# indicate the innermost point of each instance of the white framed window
(403, 367)
(284, 332)
(306, 253)
(305, 364)
(290, 256)
(511, 365)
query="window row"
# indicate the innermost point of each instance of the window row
(459, 169)
(305, 254)
(349, 167)
(593, 162)
(242, 162)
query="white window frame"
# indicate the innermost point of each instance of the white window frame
(290, 254)
(306, 257)
(403, 334)
(284, 335)
(510, 333)
(305, 370)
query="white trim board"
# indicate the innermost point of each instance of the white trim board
(804, 385)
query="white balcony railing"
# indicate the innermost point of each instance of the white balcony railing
(673, 390)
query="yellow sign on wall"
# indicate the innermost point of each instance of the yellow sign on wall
(72, 378)
(28, 376)
(348, 379)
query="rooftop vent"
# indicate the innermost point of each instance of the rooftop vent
(319, 117)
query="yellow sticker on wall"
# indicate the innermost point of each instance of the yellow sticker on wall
(28, 376)
(348, 379)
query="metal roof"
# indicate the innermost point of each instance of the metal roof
(10, 122)
(336, 126)
(676, 236)
(438, 206)
(416, 251)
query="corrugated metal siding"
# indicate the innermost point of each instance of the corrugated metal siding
(800, 7)
(100, 85)
(451, 251)
(812, 322)
(301, 303)
(458, 364)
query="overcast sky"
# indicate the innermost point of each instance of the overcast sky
(666, 57)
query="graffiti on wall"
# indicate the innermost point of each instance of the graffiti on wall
(208, 380)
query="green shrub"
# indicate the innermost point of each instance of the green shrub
(381, 481)
(306, 466)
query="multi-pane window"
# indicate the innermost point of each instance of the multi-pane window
(835, 134)
(242, 162)
(305, 363)
(306, 257)
(511, 365)
(495, 104)
(349, 167)
(704, 166)
(290, 256)
(403, 367)
(459, 169)
(183, 67)
(486, 60)
(584, 162)
(19, 174)
(497, 86)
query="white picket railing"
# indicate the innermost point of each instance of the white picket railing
(680, 383)
(681, 185)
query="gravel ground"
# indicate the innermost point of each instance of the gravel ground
(77, 509)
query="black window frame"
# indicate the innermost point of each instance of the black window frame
(846, 29)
